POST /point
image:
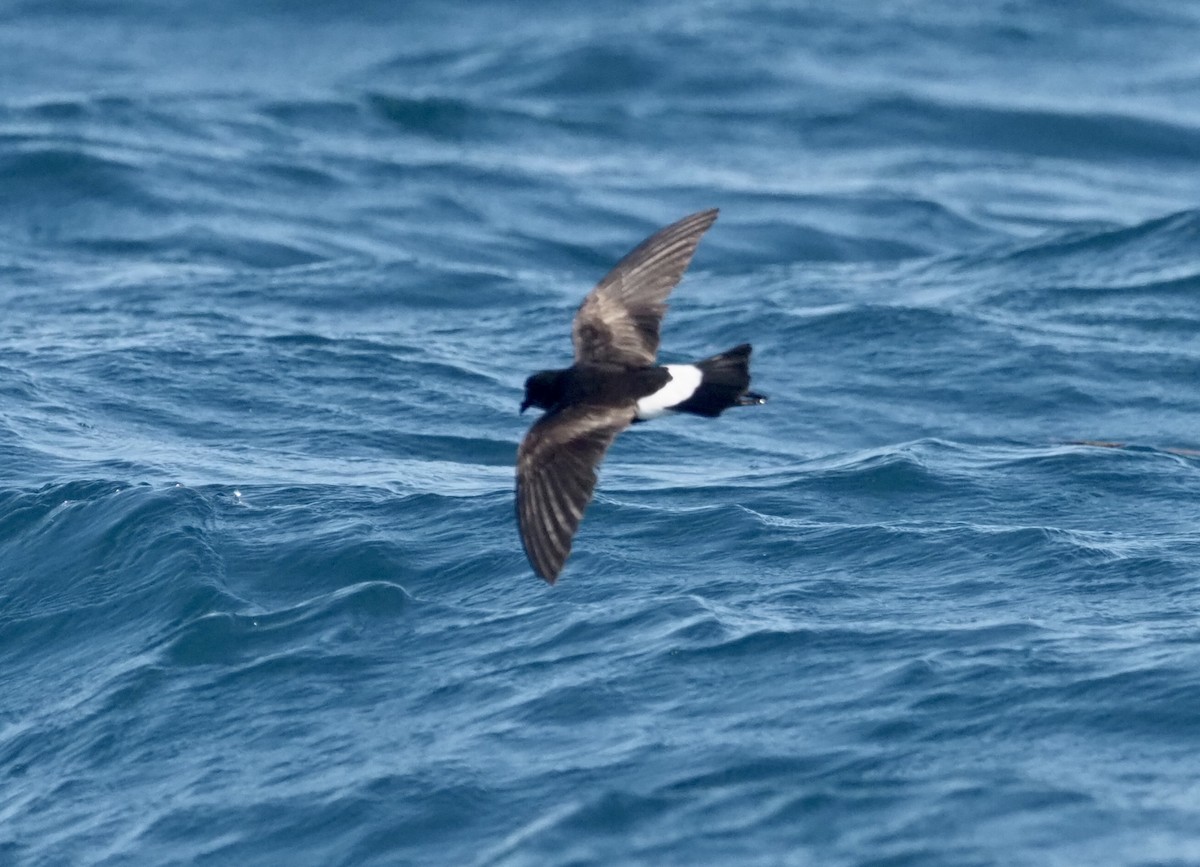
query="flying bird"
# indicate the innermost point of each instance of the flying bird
(614, 383)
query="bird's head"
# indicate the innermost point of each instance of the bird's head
(542, 390)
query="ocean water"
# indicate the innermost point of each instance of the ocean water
(272, 275)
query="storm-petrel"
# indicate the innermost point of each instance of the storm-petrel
(613, 383)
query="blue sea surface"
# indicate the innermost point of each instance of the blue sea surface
(272, 276)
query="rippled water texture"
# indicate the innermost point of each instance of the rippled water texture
(271, 278)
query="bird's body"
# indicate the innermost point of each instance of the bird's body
(614, 383)
(599, 384)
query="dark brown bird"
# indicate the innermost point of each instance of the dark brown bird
(613, 383)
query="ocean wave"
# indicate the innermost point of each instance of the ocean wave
(242, 640)
(272, 280)
(1020, 130)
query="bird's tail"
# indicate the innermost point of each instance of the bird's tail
(725, 382)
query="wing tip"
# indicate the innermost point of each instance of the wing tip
(536, 557)
(704, 218)
(545, 570)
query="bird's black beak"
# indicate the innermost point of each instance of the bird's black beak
(524, 406)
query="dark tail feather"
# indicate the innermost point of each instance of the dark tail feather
(726, 383)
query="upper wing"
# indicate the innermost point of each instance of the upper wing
(618, 322)
(556, 474)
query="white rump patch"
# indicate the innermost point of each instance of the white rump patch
(685, 379)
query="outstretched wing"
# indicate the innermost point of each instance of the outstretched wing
(556, 474)
(619, 320)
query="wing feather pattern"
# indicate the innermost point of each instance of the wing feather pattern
(556, 476)
(619, 320)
